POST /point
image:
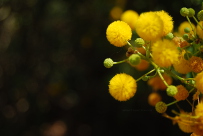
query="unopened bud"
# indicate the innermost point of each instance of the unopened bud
(108, 62)
(184, 11)
(171, 90)
(134, 59)
(161, 107)
(139, 42)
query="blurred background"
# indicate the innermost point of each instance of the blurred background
(52, 78)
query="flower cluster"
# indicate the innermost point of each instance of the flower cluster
(170, 55)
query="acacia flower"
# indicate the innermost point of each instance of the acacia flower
(199, 109)
(164, 53)
(157, 83)
(122, 87)
(130, 17)
(199, 30)
(167, 22)
(183, 25)
(118, 33)
(149, 26)
(199, 81)
(182, 65)
(196, 64)
(182, 93)
(153, 98)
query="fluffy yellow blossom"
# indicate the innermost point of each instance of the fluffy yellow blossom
(153, 98)
(116, 12)
(182, 65)
(157, 83)
(149, 26)
(199, 81)
(199, 109)
(167, 22)
(118, 33)
(130, 17)
(122, 87)
(196, 64)
(182, 93)
(183, 25)
(180, 42)
(199, 30)
(164, 53)
(184, 122)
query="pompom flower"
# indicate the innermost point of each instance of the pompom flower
(167, 22)
(118, 33)
(157, 83)
(164, 53)
(183, 25)
(196, 64)
(199, 30)
(122, 87)
(199, 81)
(130, 17)
(199, 109)
(116, 12)
(182, 93)
(153, 98)
(182, 65)
(149, 26)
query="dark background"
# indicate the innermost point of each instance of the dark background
(52, 78)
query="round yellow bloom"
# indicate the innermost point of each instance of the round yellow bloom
(182, 93)
(199, 109)
(157, 83)
(182, 122)
(183, 25)
(167, 22)
(199, 30)
(153, 98)
(130, 17)
(182, 65)
(118, 33)
(149, 26)
(199, 81)
(164, 53)
(196, 64)
(122, 87)
(116, 12)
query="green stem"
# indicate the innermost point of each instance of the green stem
(191, 25)
(197, 22)
(120, 61)
(160, 75)
(172, 103)
(146, 74)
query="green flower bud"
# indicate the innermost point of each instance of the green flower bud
(171, 90)
(169, 36)
(187, 30)
(160, 107)
(145, 78)
(161, 70)
(200, 15)
(184, 11)
(108, 62)
(139, 42)
(134, 59)
(191, 12)
(186, 36)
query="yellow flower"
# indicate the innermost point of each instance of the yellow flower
(118, 33)
(130, 17)
(167, 22)
(199, 30)
(182, 65)
(199, 81)
(122, 87)
(183, 25)
(153, 98)
(196, 64)
(182, 93)
(116, 12)
(164, 53)
(149, 26)
(157, 83)
(199, 109)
